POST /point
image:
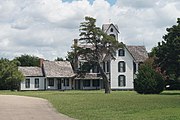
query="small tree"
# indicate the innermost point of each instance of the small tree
(100, 44)
(149, 80)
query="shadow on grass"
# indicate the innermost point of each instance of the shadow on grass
(170, 93)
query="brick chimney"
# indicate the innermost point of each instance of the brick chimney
(75, 61)
(41, 60)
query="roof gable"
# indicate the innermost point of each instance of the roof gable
(106, 27)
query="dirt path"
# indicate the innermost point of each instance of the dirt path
(27, 108)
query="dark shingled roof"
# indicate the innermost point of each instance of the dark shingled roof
(138, 52)
(88, 76)
(31, 71)
(58, 69)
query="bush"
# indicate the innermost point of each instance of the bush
(148, 80)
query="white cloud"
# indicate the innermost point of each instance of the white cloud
(46, 28)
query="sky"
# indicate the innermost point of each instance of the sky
(46, 28)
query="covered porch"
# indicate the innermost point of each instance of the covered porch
(88, 81)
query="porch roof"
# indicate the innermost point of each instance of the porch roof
(88, 76)
(58, 69)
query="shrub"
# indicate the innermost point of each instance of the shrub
(148, 81)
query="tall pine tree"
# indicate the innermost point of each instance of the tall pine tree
(100, 44)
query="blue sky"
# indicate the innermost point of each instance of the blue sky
(46, 28)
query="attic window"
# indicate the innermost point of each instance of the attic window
(111, 30)
(121, 52)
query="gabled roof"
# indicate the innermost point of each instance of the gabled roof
(58, 69)
(31, 71)
(105, 27)
(139, 53)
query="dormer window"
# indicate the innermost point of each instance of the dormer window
(111, 30)
(121, 52)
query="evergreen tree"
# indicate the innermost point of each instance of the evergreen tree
(149, 79)
(97, 45)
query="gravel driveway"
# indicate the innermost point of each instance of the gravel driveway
(27, 108)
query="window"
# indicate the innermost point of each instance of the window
(111, 30)
(27, 83)
(66, 82)
(36, 82)
(121, 52)
(51, 82)
(86, 83)
(108, 66)
(121, 81)
(134, 68)
(121, 66)
(95, 83)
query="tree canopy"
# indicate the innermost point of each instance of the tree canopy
(59, 59)
(28, 60)
(10, 77)
(95, 46)
(168, 52)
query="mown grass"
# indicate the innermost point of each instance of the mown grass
(119, 105)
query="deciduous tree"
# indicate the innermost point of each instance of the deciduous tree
(168, 52)
(28, 60)
(10, 77)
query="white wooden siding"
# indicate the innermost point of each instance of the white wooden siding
(128, 59)
(32, 83)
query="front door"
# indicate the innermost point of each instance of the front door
(59, 83)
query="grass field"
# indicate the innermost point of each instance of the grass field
(119, 105)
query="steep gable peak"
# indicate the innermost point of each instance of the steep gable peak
(106, 27)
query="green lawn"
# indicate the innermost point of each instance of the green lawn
(119, 105)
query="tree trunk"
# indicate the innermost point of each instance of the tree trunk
(105, 79)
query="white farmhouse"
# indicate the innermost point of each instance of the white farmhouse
(34, 78)
(59, 75)
(120, 71)
(51, 75)
(125, 66)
